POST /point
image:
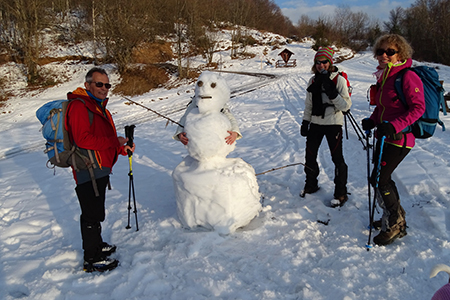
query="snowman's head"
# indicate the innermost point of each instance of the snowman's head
(211, 92)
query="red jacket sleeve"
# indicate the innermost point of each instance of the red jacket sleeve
(96, 136)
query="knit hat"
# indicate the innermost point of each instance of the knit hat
(324, 53)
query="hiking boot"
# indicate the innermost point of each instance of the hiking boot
(101, 265)
(387, 237)
(309, 190)
(108, 249)
(340, 201)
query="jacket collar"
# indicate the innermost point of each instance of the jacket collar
(90, 102)
(393, 68)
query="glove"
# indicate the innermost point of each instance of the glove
(367, 124)
(329, 87)
(386, 129)
(304, 128)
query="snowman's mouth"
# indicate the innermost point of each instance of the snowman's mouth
(205, 97)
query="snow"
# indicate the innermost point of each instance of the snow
(284, 253)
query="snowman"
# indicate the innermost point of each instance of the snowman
(213, 191)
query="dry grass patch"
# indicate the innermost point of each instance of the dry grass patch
(152, 53)
(140, 80)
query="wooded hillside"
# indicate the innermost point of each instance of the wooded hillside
(119, 27)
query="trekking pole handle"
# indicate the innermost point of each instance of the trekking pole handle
(129, 133)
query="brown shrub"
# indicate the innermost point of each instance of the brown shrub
(4, 58)
(4, 95)
(151, 53)
(46, 79)
(140, 80)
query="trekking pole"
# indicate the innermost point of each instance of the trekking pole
(356, 126)
(358, 130)
(129, 131)
(345, 122)
(377, 180)
(369, 188)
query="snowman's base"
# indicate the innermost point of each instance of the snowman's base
(218, 194)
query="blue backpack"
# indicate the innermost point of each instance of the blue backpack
(425, 126)
(60, 151)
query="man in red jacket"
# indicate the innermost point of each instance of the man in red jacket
(91, 128)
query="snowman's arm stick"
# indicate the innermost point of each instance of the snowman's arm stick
(291, 165)
(153, 111)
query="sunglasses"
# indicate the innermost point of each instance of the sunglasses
(389, 52)
(100, 84)
(318, 62)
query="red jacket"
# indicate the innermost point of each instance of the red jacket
(100, 136)
(389, 106)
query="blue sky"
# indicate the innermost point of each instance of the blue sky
(376, 9)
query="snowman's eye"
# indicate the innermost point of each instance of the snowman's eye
(200, 83)
(213, 85)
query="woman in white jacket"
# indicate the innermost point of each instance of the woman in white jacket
(327, 98)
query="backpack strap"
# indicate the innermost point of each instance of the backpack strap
(344, 75)
(89, 161)
(335, 78)
(57, 112)
(398, 84)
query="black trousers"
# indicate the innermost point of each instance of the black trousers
(92, 213)
(333, 135)
(391, 157)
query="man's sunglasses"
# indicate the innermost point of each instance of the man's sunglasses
(100, 84)
(318, 62)
(389, 52)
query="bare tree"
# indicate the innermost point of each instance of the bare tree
(238, 12)
(305, 26)
(21, 31)
(351, 27)
(122, 28)
(209, 43)
(426, 26)
(395, 18)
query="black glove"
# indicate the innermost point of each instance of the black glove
(367, 124)
(386, 129)
(304, 128)
(329, 86)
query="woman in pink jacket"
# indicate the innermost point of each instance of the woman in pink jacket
(390, 117)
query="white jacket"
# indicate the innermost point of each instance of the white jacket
(333, 114)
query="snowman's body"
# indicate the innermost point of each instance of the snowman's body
(213, 191)
(211, 127)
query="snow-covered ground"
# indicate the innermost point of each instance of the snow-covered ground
(285, 253)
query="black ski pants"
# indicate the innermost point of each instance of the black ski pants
(92, 213)
(391, 157)
(333, 135)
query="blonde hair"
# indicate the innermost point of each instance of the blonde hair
(405, 50)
